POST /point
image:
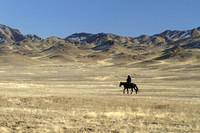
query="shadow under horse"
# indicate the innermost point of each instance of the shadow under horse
(129, 86)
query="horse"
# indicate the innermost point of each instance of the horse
(129, 85)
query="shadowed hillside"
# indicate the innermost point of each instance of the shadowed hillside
(115, 49)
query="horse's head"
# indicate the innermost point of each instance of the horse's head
(120, 84)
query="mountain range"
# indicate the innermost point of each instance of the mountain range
(170, 45)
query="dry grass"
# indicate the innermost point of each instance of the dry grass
(75, 97)
(74, 114)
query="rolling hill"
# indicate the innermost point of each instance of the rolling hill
(86, 47)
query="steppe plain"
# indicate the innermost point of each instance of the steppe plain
(71, 85)
(48, 96)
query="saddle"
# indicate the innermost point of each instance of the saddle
(128, 83)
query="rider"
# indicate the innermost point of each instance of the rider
(128, 80)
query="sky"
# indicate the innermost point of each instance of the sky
(62, 18)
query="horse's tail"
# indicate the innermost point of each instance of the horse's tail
(137, 89)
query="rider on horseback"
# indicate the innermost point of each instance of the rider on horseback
(128, 85)
(128, 80)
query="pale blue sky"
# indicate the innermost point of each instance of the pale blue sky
(124, 17)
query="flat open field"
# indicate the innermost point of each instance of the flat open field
(76, 97)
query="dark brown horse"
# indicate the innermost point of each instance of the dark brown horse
(129, 86)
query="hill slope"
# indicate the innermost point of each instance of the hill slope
(85, 47)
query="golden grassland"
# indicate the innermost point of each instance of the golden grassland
(76, 97)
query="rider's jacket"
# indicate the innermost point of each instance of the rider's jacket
(128, 79)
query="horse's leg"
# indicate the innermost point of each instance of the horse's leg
(136, 89)
(131, 90)
(124, 90)
(127, 90)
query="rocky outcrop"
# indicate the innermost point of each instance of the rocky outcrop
(32, 37)
(8, 34)
(195, 33)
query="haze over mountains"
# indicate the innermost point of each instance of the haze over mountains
(102, 47)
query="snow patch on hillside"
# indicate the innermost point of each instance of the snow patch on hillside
(185, 35)
(171, 35)
(77, 38)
